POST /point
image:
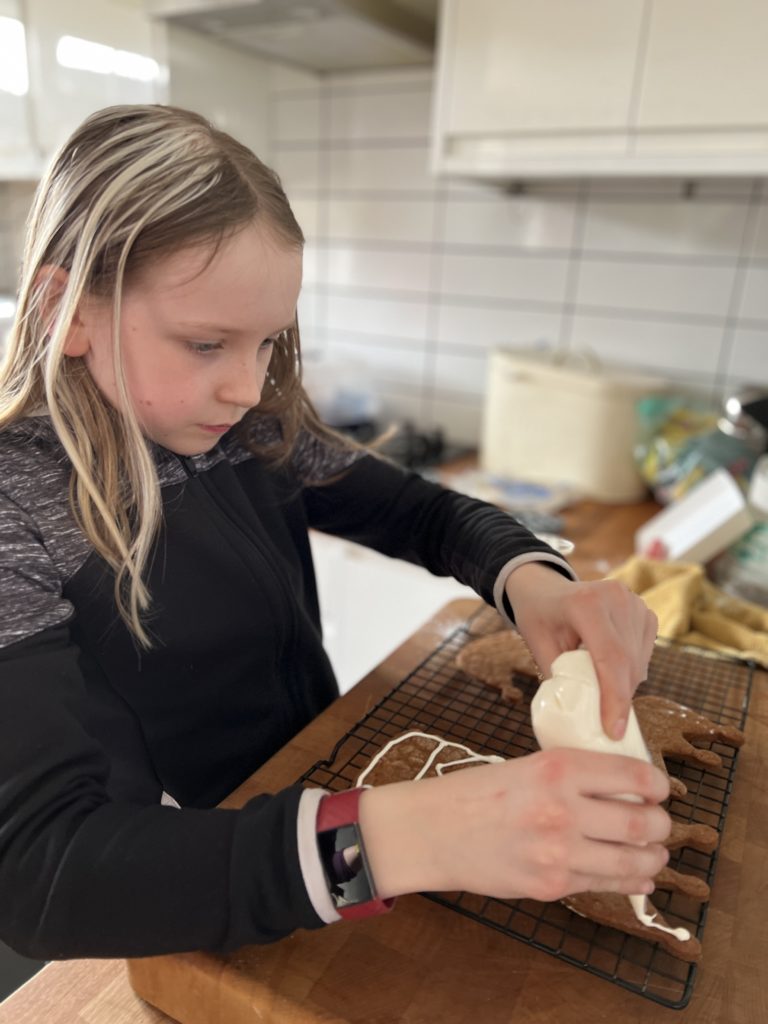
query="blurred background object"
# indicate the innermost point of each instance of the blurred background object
(686, 437)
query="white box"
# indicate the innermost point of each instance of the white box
(556, 419)
(701, 524)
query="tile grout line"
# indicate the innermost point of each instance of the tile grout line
(743, 261)
(574, 269)
(434, 306)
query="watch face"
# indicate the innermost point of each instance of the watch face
(345, 865)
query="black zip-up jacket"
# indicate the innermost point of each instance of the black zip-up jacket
(93, 730)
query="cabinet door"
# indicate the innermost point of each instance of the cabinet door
(706, 66)
(543, 66)
(18, 158)
(62, 94)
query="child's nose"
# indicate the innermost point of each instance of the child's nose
(242, 386)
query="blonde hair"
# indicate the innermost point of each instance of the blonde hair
(132, 184)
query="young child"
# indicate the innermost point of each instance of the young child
(160, 639)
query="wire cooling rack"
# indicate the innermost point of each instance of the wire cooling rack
(437, 697)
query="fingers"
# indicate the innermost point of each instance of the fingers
(588, 866)
(616, 861)
(598, 883)
(605, 775)
(616, 821)
(618, 630)
(650, 633)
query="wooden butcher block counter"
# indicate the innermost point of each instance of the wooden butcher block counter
(424, 963)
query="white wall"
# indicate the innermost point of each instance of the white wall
(226, 85)
(420, 278)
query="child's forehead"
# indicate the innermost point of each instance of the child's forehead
(251, 256)
(248, 282)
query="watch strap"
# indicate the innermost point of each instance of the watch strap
(343, 856)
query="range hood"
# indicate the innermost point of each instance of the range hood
(319, 35)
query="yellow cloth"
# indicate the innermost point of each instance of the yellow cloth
(693, 610)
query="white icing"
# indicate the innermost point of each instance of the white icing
(471, 758)
(566, 713)
(641, 907)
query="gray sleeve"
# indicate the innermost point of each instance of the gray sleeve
(30, 585)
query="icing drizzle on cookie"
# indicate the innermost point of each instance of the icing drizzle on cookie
(471, 758)
(640, 905)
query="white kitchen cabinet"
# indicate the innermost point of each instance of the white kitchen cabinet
(19, 157)
(63, 96)
(705, 78)
(550, 88)
(550, 66)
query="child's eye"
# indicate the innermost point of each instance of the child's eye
(267, 344)
(202, 348)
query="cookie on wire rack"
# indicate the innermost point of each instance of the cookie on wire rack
(496, 659)
(615, 911)
(420, 755)
(668, 728)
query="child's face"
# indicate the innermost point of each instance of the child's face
(195, 338)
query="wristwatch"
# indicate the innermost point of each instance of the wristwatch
(343, 857)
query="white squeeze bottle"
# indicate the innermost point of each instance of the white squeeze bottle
(566, 713)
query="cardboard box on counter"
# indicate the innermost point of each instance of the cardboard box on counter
(705, 521)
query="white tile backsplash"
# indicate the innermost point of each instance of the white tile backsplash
(400, 114)
(520, 278)
(297, 119)
(461, 374)
(685, 227)
(669, 347)
(754, 299)
(748, 357)
(299, 170)
(387, 363)
(484, 327)
(309, 212)
(377, 169)
(372, 269)
(382, 219)
(508, 221)
(395, 318)
(656, 286)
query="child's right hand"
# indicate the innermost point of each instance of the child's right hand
(541, 826)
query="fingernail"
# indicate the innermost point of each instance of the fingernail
(618, 728)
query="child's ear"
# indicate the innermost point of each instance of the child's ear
(53, 281)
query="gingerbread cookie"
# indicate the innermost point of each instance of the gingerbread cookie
(698, 837)
(420, 755)
(494, 660)
(689, 885)
(667, 728)
(615, 910)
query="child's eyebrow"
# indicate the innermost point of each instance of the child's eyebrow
(200, 325)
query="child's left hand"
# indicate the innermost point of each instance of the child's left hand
(555, 614)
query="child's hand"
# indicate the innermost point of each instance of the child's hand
(541, 826)
(555, 614)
